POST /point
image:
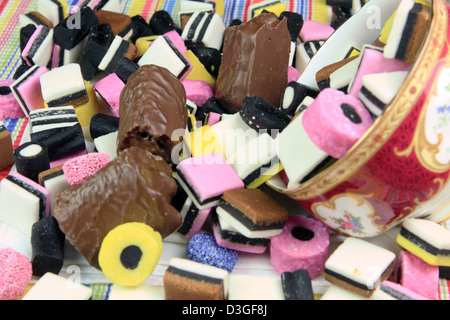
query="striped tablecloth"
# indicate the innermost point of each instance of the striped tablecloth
(10, 11)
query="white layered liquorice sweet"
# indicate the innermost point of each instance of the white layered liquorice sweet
(205, 28)
(55, 287)
(379, 89)
(229, 237)
(107, 143)
(255, 287)
(341, 77)
(188, 8)
(256, 161)
(426, 239)
(55, 181)
(64, 86)
(299, 170)
(35, 18)
(304, 53)
(38, 50)
(116, 51)
(192, 107)
(408, 31)
(359, 266)
(187, 279)
(22, 202)
(59, 129)
(53, 10)
(163, 52)
(393, 291)
(61, 56)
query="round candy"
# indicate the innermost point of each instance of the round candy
(129, 253)
(203, 248)
(303, 244)
(16, 273)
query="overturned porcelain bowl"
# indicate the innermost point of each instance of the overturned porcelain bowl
(400, 168)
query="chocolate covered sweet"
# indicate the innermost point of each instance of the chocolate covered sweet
(152, 108)
(255, 61)
(136, 186)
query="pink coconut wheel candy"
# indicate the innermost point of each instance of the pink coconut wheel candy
(81, 167)
(16, 273)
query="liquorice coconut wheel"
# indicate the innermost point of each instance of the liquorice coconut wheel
(129, 253)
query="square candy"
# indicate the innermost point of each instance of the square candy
(207, 177)
(359, 266)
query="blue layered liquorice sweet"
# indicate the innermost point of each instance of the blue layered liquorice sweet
(261, 115)
(189, 280)
(67, 35)
(31, 158)
(294, 95)
(297, 285)
(161, 22)
(47, 247)
(59, 129)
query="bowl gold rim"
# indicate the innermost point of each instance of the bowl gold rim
(385, 126)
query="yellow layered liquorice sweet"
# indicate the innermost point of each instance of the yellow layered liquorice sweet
(423, 246)
(86, 111)
(276, 7)
(129, 253)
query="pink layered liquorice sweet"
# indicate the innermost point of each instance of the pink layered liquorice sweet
(314, 31)
(303, 244)
(109, 88)
(373, 61)
(197, 91)
(335, 121)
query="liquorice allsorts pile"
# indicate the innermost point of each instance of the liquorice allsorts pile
(140, 130)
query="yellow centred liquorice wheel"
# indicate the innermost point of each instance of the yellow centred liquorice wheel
(129, 253)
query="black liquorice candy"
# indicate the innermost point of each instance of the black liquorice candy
(210, 57)
(47, 246)
(67, 35)
(31, 158)
(102, 124)
(294, 23)
(140, 28)
(161, 22)
(210, 105)
(297, 285)
(261, 115)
